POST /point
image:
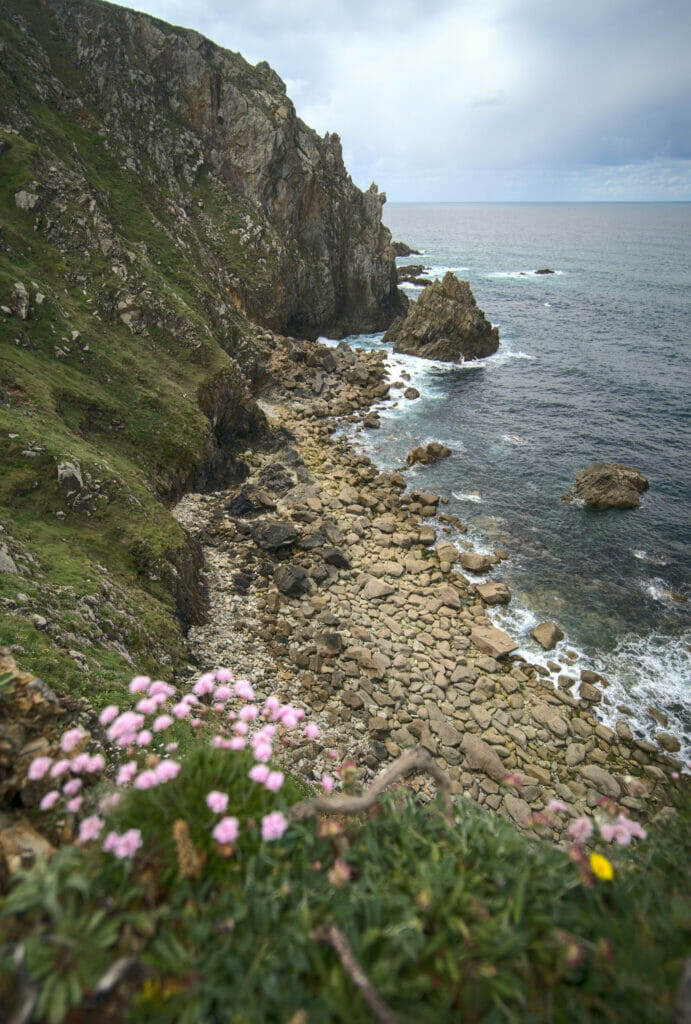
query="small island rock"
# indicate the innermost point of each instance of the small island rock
(610, 485)
(445, 323)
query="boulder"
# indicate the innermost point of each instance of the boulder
(335, 556)
(411, 393)
(474, 562)
(432, 453)
(446, 551)
(610, 485)
(6, 561)
(545, 270)
(371, 421)
(291, 580)
(274, 534)
(401, 249)
(547, 635)
(480, 757)
(70, 477)
(445, 323)
(494, 593)
(492, 641)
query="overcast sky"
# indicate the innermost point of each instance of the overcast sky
(480, 100)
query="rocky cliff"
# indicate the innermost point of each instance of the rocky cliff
(161, 206)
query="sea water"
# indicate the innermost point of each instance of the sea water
(593, 365)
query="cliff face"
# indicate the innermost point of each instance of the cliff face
(185, 114)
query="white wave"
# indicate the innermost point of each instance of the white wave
(660, 591)
(517, 274)
(515, 439)
(547, 305)
(652, 559)
(473, 496)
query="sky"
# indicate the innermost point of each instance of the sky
(480, 100)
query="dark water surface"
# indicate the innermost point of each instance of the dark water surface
(593, 366)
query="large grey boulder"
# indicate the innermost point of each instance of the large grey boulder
(445, 323)
(610, 485)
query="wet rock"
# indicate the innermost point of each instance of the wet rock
(547, 635)
(610, 485)
(371, 421)
(425, 456)
(545, 270)
(411, 393)
(668, 742)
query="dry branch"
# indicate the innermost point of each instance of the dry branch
(416, 759)
(335, 937)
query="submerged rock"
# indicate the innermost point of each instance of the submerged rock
(610, 485)
(434, 451)
(445, 323)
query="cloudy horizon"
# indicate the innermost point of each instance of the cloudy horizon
(480, 100)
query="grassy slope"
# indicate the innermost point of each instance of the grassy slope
(126, 408)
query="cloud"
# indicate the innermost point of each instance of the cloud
(477, 99)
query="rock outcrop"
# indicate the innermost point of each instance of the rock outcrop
(610, 485)
(445, 323)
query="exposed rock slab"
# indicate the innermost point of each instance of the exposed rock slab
(492, 641)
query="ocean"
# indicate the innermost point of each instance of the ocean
(593, 365)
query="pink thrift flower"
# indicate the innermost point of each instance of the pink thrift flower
(160, 689)
(637, 831)
(274, 781)
(38, 768)
(312, 731)
(108, 714)
(74, 804)
(237, 743)
(223, 693)
(71, 739)
(220, 743)
(181, 710)
(204, 685)
(139, 684)
(128, 843)
(59, 768)
(195, 722)
(166, 770)
(333, 754)
(110, 842)
(226, 831)
(241, 728)
(108, 802)
(327, 783)
(144, 738)
(125, 725)
(289, 718)
(556, 806)
(608, 832)
(96, 763)
(259, 773)
(273, 826)
(171, 747)
(146, 779)
(262, 751)
(126, 773)
(72, 787)
(162, 722)
(243, 690)
(217, 802)
(248, 713)
(80, 763)
(49, 800)
(148, 705)
(271, 706)
(224, 675)
(580, 829)
(90, 828)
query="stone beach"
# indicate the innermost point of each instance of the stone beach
(336, 588)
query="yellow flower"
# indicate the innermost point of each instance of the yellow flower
(601, 867)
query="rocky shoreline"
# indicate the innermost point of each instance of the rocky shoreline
(333, 586)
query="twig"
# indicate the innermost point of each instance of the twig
(333, 935)
(416, 759)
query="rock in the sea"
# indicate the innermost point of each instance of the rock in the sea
(494, 593)
(445, 323)
(411, 393)
(401, 249)
(547, 635)
(610, 485)
(545, 270)
(474, 562)
(432, 453)
(371, 421)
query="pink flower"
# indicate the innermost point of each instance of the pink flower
(166, 770)
(248, 713)
(59, 768)
(608, 832)
(204, 685)
(90, 828)
(125, 725)
(223, 693)
(312, 731)
(171, 747)
(259, 773)
(273, 826)
(72, 787)
(162, 722)
(38, 768)
(49, 800)
(74, 804)
(224, 675)
(161, 689)
(110, 842)
(271, 706)
(226, 831)
(580, 829)
(144, 738)
(333, 754)
(557, 806)
(217, 802)
(148, 705)
(274, 781)
(96, 763)
(289, 717)
(139, 684)
(128, 843)
(71, 739)
(243, 690)
(80, 763)
(262, 750)
(108, 714)
(327, 783)
(181, 710)
(237, 743)
(221, 743)
(108, 802)
(146, 779)
(241, 728)
(126, 773)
